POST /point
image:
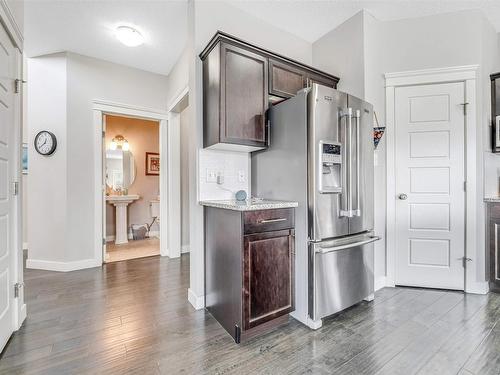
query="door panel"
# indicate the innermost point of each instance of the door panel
(430, 215)
(362, 180)
(285, 79)
(268, 276)
(7, 176)
(244, 96)
(325, 125)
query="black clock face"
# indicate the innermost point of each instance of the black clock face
(45, 143)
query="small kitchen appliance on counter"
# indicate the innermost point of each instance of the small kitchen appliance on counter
(321, 155)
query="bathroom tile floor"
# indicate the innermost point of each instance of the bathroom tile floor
(132, 250)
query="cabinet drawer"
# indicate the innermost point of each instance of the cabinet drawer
(268, 220)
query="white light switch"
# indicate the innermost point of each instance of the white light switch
(241, 176)
(211, 175)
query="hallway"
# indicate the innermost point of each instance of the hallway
(134, 317)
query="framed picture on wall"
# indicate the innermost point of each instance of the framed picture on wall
(152, 164)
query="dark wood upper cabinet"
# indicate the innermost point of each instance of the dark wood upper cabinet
(495, 112)
(244, 102)
(285, 79)
(268, 277)
(239, 82)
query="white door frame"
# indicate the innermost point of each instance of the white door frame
(174, 165)
(169, 219)
(473, 138)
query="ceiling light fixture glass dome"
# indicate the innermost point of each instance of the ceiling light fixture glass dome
(129, 36)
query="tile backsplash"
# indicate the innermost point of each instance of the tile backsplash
(222, 174)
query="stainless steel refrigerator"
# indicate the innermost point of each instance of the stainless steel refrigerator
(321, 155)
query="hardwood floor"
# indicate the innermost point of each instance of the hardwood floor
(133, 317)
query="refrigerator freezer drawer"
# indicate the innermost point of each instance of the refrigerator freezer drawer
(341, 278)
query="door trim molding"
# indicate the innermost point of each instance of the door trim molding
(10, 24)
(473, 138)
(102, 107)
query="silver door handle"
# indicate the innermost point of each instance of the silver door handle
(324, 250)
(403, 196)
(272, 220)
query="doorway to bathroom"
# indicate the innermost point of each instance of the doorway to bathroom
(132, 187)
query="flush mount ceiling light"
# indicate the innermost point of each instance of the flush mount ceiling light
(129, 36)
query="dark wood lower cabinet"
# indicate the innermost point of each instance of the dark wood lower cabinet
(249, 269)
(493, 212)
(268, 271)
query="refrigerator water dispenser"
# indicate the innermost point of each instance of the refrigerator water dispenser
(330, 167)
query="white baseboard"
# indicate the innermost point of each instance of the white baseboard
(478, 287)
(22, 316)
(185, 249)
(198, 302)
(380, 282)
(154, 233)
(25, 246)
(62, 266)
(110, 238)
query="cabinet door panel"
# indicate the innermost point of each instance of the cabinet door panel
(244, 98)
(268, 276)
(494, 240)
(285, 79)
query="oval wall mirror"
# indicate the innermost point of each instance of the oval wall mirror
(120, 169)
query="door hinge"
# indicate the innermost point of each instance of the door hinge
(17, 288)
(103, 241)
(465, 260)
(15, 188)
(103, 134)
(17, 85)
(465, 185)
(464, 105)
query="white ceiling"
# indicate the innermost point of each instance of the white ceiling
(312, 19)
(87, 28)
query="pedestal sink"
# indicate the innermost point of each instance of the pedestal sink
(121, 203)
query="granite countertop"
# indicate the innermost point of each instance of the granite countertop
(492, 199)
(249, 205)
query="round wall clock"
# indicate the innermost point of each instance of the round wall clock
(45, 143)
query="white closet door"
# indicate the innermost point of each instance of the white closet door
(430, 196)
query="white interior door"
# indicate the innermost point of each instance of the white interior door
(8, 174)
(430, 194)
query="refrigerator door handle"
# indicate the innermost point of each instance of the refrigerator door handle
(324, 250)
(346, 207)
(357, 212)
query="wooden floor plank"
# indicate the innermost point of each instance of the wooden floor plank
(133, 317)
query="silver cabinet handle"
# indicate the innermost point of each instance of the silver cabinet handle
(347, 245)
(403, 196)
(272, 220)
